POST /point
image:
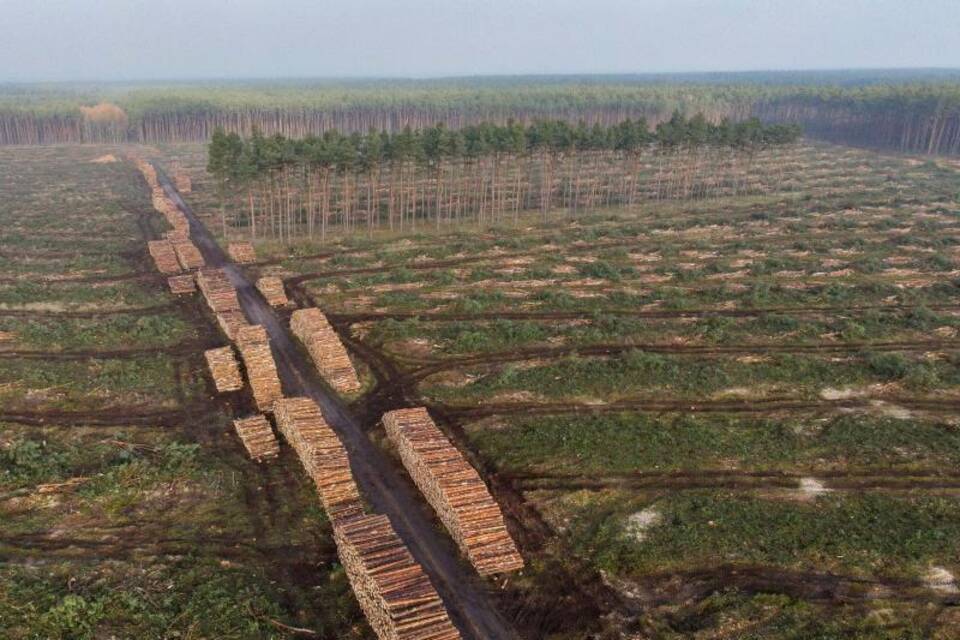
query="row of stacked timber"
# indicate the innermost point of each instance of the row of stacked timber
(272, 289)
(224, 369)
(257, 437)
(182, 284)
(164, 256)
(454, 489)
(324, 346)
(322, 454)
(188, 254)
(148, 171)
(254, 346)
(217, 290)
(241, 252)
(394, 592)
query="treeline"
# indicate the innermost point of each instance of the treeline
(278, 187)
(912, 111)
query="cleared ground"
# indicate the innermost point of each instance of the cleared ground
(724, 418)
(127, 506)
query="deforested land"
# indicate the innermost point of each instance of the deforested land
(550, 358)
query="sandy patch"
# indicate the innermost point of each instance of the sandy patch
(638, 524)
(941, 580)
(811, 488)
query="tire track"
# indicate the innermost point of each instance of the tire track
(435, 365)
(756, 406)
(181, 349)
(444, 316)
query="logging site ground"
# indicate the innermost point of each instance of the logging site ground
(719, 412)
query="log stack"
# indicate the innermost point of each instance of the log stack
(257, 437)
(182, 284)
(272, 289)
(183, 183)
(322, 454)
(324, 346)
(164, 256)
(231, 321)
(241, 252)
(177, 235)
(176, 219)
(218, 291)
(224, 368)
(188, 254)
(148, 171)
(261, 369)
(454, 489)
(394, 592)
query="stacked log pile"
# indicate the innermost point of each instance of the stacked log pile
(322, 454)
(188, 254)
(164, 256)
(261, 369)
(177, 235)
(394, 592)
(454, 489)
(218, 291)
(241, 252)
(272, 289)
(224, 368)
(182, 284)
(148, 171)
(231, 321)
(324, 346)
(176, 219)
(183, 183)
(257, 437)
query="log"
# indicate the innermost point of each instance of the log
(257, 437)
(272, 289)
(254, 346)
(324, 346)
(454, 489)
(182, 284)
(217, 290)
(188, 254)
(394, 592)
(241, 252)
(164, 256)
(322, 455)
(224, 369)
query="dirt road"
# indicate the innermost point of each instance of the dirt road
(386, 489)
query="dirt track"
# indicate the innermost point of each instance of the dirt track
(764, 405)
(385, 488)
(443, 316)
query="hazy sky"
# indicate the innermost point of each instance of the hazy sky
(130, 39)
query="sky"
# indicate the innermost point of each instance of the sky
(81, 40)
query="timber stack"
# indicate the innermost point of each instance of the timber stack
(454, 489)
(257, 437)
(272, 289)
(322, 454)
(261, 369)
(182, 284)
(164, 256)
(241, 252)
(183, 183)
(394, 592)
(188, 254)
(218, 291)
(328, 353)
(224, 368)
(231, 321)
